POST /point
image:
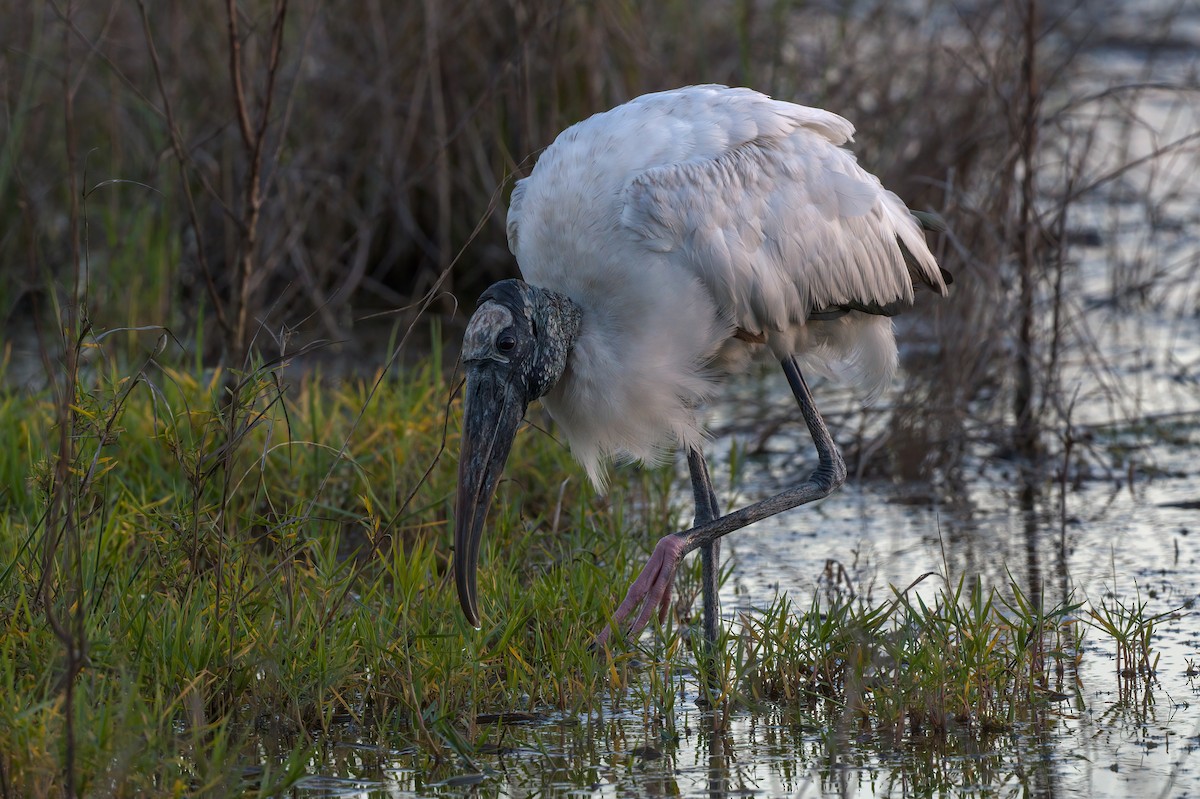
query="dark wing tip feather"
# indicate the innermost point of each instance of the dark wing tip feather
(917, 274)
(935, 224)
(930, 221)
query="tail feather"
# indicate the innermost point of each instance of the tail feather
(858, 348)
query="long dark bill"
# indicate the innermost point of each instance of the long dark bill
(493, 407)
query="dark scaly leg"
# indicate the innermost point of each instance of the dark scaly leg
(652, 588)
(706, 511)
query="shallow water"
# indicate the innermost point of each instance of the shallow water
(1125, 524)
(1130, 529)
(1115, 738)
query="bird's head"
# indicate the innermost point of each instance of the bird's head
(514, 351)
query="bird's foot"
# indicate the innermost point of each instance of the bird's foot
(652, 588)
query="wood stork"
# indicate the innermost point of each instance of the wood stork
(664, 244)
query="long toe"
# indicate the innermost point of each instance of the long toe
(652, 588)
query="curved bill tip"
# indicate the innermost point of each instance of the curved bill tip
(471, 509)
(467, 534)
(492, 411)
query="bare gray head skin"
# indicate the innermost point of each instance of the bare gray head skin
(514, 351)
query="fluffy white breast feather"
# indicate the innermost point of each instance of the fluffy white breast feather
(681, 218)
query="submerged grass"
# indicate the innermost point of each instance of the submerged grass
(250, 575)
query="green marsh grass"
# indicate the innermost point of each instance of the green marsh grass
(239, 574)
(275, 568)
(249, 572)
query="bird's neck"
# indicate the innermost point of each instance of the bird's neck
(557, 320)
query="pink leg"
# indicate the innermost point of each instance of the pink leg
(653, 585)
(652, 588)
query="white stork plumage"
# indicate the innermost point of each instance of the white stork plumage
(665, 244)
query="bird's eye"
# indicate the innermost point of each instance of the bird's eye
(506, 343)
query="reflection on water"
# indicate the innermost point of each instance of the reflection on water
(1122, 526)
(1127, 739)
(1114, 737)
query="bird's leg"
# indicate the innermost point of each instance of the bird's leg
(651, 589)
(825, 479)
(653, 586)
(710, 553)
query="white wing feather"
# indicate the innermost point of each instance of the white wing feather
(682, 216)
(778, 227)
